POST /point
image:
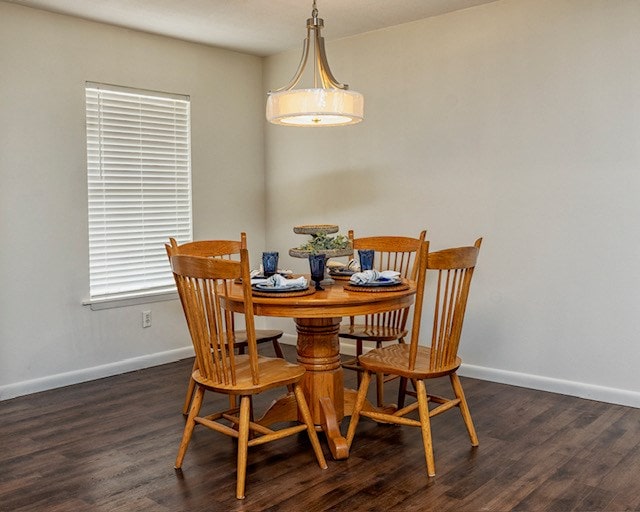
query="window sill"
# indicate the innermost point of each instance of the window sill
(128, 300)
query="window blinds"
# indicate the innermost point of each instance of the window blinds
(139, 178)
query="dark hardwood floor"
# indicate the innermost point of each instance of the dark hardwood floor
(110, 444)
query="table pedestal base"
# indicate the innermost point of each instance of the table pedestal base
(329, 402)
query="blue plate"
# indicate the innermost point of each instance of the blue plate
(341, 272)
(262, 276)
(263, 287)
(380, 282)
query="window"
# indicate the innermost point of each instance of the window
(139, 176)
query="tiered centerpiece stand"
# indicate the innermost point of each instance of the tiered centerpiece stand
(318, 232)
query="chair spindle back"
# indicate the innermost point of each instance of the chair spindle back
(454, 268)
(398, 253)
(203, 284)
(224, 249)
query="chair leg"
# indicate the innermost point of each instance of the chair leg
(355, 415)
(464, 408)
(402, 392)
(277, 348)
(358, 354)
(190, 389)
(380, 389)
(243, 445)
(425, 427)
(308, 421)
(188, 428)
(379, 383)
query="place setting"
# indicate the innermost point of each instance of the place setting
(342, 271)
(370, 280)
(271, 282)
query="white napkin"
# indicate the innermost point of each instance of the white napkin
(369, 276)
(277, 281)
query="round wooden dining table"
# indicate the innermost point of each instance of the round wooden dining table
(317, 318)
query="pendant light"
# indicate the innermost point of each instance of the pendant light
(328, 103)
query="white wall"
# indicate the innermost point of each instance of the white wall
(519, 121)
(47, 337)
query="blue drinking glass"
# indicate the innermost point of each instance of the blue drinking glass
(269, 263)
(366, 259)
(317, 264)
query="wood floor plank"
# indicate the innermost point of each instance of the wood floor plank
(597, 499)
(110, 444)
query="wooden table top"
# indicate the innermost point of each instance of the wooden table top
(333, 301)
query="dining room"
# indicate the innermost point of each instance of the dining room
(512, 120)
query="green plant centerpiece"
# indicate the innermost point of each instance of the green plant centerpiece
(321, 242)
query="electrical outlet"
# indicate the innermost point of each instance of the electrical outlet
(146, 319)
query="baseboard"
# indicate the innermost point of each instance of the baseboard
(97, 372)
(563, 387)
(288, 339)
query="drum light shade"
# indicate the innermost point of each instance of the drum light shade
(315, 107)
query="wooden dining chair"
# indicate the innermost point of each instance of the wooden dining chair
(203, 284)
(397, 253)
(454, 269)
(226, 249)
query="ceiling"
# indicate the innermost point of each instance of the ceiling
(258, 27)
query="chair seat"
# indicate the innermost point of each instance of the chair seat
(371, 332)
(274, 372)
(394, 359)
